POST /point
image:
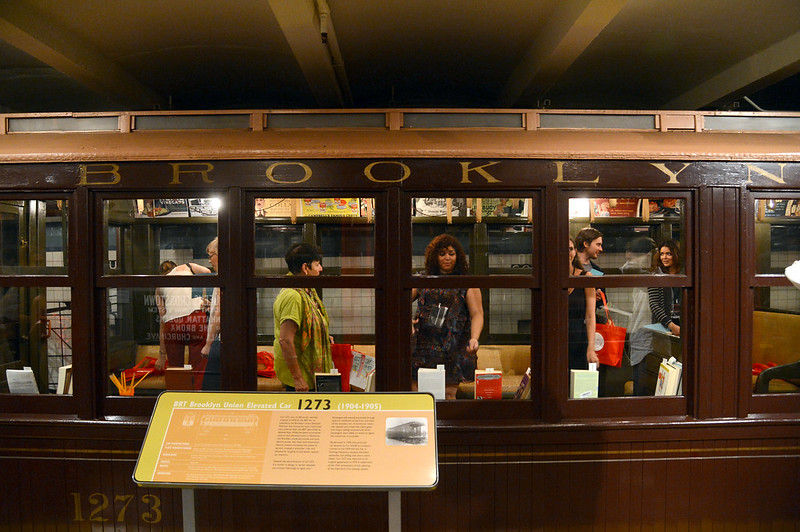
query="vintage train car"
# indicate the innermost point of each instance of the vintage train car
(92, 204)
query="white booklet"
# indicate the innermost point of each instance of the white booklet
(21, 380)
(432, 381)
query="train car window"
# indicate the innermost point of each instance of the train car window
(777, 234)
(33, 237)
(36, 326)
(141, 234)
(155, 338)
(495, 233)
(626, 225)
(473, 330)
(350, 314)
(776, 310)
(445, 321)
(35, 339)
(343, 228)
(637, 346)
(776, 335)
(648, 320)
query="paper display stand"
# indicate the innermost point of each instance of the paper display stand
(291, 441)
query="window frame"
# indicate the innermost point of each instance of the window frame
(58, 405)
(628, 406)
(751, 280)
(530, 279)
(115, 405)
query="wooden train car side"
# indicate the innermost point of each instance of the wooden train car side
(720, 453)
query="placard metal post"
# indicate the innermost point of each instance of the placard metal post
(395, 515)
(189, 517)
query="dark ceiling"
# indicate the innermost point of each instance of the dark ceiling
(112, 55)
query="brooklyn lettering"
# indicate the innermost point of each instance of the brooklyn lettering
(449, 171)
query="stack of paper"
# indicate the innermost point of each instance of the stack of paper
(21, 380)
(432, 381)
(669, 377)
(583, 382)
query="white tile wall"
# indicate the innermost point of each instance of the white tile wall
(350, 310)
(507, 307)
(178, 256)
(59, 343)
(610, 260)
(782, 259)
(54, 258)
(784, 298)
(507, 261)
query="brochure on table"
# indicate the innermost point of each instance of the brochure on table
(370, 441)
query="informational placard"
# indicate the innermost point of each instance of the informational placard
(348, 441)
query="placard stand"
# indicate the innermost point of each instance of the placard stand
(190, 518)
(291, 441)
(395, 513)
(189, 515)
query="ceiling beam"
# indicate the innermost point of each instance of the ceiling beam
(43, 38)
(570, 29)
(753, 73)
(299, 21)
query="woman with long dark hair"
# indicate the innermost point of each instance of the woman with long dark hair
(448, 321)
(665, 302)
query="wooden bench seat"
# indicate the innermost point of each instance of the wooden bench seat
(776, 340)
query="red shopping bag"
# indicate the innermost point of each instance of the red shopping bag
(265, 359)
(146, 366)
(609, 340)
(342, 355)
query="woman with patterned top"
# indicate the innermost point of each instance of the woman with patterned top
(448, 321)
(302, 342)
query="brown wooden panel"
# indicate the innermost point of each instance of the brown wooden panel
(729, 359)
(724, 483)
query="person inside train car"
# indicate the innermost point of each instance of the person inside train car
(302, 340)
(639, 260)
(448, 321)
(182, 321)
(211, 349)
(589, 245)
(581, 317)
(665, 302)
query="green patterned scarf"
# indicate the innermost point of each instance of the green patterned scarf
(315, 343)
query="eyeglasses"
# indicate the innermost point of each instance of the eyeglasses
(212, 254)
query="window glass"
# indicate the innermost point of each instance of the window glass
(776, 335)
(143, 233)
(351, 322)
(636, 347)
(495, 233)
(152, 329)
(444, 322)
(649, 318)
(342, 227)
(35, 339)
(777, 232)
(623, 226)
(33, 237)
